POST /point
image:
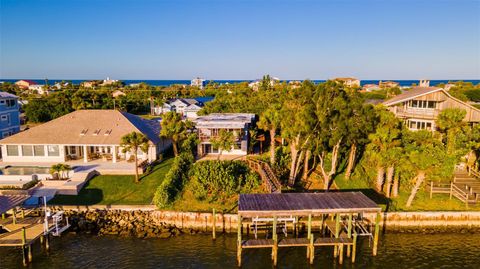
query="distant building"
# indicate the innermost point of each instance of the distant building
(89, 84)
(9, 115)
(424, 83)
(448, 86)
(108, 81)
(209, 126)
(198, 82)
(39, 89)
(24, 84)
(350, 82)
(295, 84)
(255, 85)
(370, 87)
(187, 107)
(388, 84)
(117, 94)
(420, 107)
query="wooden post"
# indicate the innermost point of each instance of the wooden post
(309, 227)
(322, 223)
(23, 213)
(349, 232)
(30, 256)
(239, 240)
(375, 237)
(214, 223)
(24, 256)
(47, 244)
(431, 189)
(340, 260)
(312, 249)
(24, 250)
(275, 241)
(337, 233)
(3, 215)
(354, 248)
(24, 236)
(451, 190)
(14, 216)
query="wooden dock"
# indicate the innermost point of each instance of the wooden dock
(335, 220)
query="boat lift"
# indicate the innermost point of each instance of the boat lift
(57, 226)
(256, 222)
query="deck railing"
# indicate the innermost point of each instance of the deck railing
(270, 181)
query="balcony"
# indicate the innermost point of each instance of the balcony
(420, 113)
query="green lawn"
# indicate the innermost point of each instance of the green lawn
(422, 201)
(118, 189)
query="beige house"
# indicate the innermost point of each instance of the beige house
(350, 82)
(24, 84)
(83, 135)
(420, 106)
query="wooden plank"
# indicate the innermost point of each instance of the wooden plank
(257, 243)
(294, 242)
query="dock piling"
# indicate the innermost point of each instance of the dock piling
(214, 224)
(239, 240)
(375, 237)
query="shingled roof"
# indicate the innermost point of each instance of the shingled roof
(413, 93)
(94, 127)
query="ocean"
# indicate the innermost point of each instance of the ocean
(171, 82)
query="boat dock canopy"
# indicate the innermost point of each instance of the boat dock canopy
(8, 202)
(301, 204)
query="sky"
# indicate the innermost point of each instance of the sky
(241, 39)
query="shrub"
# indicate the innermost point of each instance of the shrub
(174, 180)
(219, 180)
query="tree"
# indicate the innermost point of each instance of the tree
(384, 142)
(133, 142)
(450, 121)
(426, 154)
(224, 141)
(270, 121)
(174, 128)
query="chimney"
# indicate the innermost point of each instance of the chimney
(424, 83)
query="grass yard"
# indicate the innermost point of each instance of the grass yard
(422, 201)
(118, 189)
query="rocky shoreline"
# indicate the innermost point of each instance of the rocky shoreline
(141, 224)
(157, 224)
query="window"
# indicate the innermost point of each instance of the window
(6, 134)
(2, 102)
(431, 104)
(84, 131)
(420, 125)
(12, 150)
(11, 103)
(4, 117)
(39, 150)
(108, 132)
(27, 150)
(96, 132)
(422, 104)
(53, 151)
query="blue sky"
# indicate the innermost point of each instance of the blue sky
(80, 39)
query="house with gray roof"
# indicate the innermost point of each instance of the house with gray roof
(9, 114)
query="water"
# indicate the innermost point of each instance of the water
(24, 170)
(199, 251)
(170, 82)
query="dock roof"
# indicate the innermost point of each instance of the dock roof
(301, 204)
(8, 202)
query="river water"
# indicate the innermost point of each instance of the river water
(199, 251)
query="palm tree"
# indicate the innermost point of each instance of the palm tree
(55, 169)
(270, 121)
(224, 140)
(133, 142)
(174, 128)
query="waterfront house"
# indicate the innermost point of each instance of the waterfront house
(89, 84)
(210, 125)
(187, 107)
(420, 107)
(108, 81)
(24, 84)
(37, 88)
(349, 82)
(9, 115)
(198, 82)
(83, 135)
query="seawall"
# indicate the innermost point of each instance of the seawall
(146, 221)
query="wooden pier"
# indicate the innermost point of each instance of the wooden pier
(333, 220)
(24, 227)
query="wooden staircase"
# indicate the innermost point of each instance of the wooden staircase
(465, 186)
(269, 179)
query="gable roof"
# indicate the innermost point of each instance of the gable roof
(413, 93)
(111, 125)
(7, 95)
(31, 82)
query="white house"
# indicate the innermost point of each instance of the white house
(198, 82)
(188, 107)
(37, 88)
(210, 125)
(83, 135)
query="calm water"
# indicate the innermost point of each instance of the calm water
(170, 82)
(199, 251)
